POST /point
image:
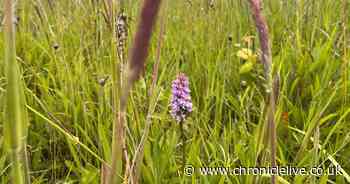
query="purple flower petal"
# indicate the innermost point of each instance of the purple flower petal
(181, 104)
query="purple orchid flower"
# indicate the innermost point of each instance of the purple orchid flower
(181, 104)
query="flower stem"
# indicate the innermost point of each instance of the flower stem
(183, 138)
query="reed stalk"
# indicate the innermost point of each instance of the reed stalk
(118, 30)
(137, 59)
(16, 122)
(139, 153)
(114, 175)
(345, 50)
(262, 28)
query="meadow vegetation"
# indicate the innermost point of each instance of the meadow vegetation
(67, 58)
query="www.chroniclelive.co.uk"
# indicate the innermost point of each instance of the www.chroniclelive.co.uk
(279, 170)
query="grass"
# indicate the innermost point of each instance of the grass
(64, 49)
(15, 126)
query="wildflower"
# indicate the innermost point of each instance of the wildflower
(250, 60)
(285, 116)
(181, 104)
(246, 54)
(248, 39)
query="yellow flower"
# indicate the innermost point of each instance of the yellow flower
(248, 39)
(246, 54)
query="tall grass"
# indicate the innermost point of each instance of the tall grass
(138, 57)
(266, 58)
(118, 138)
(16, 122)
(153, 94)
